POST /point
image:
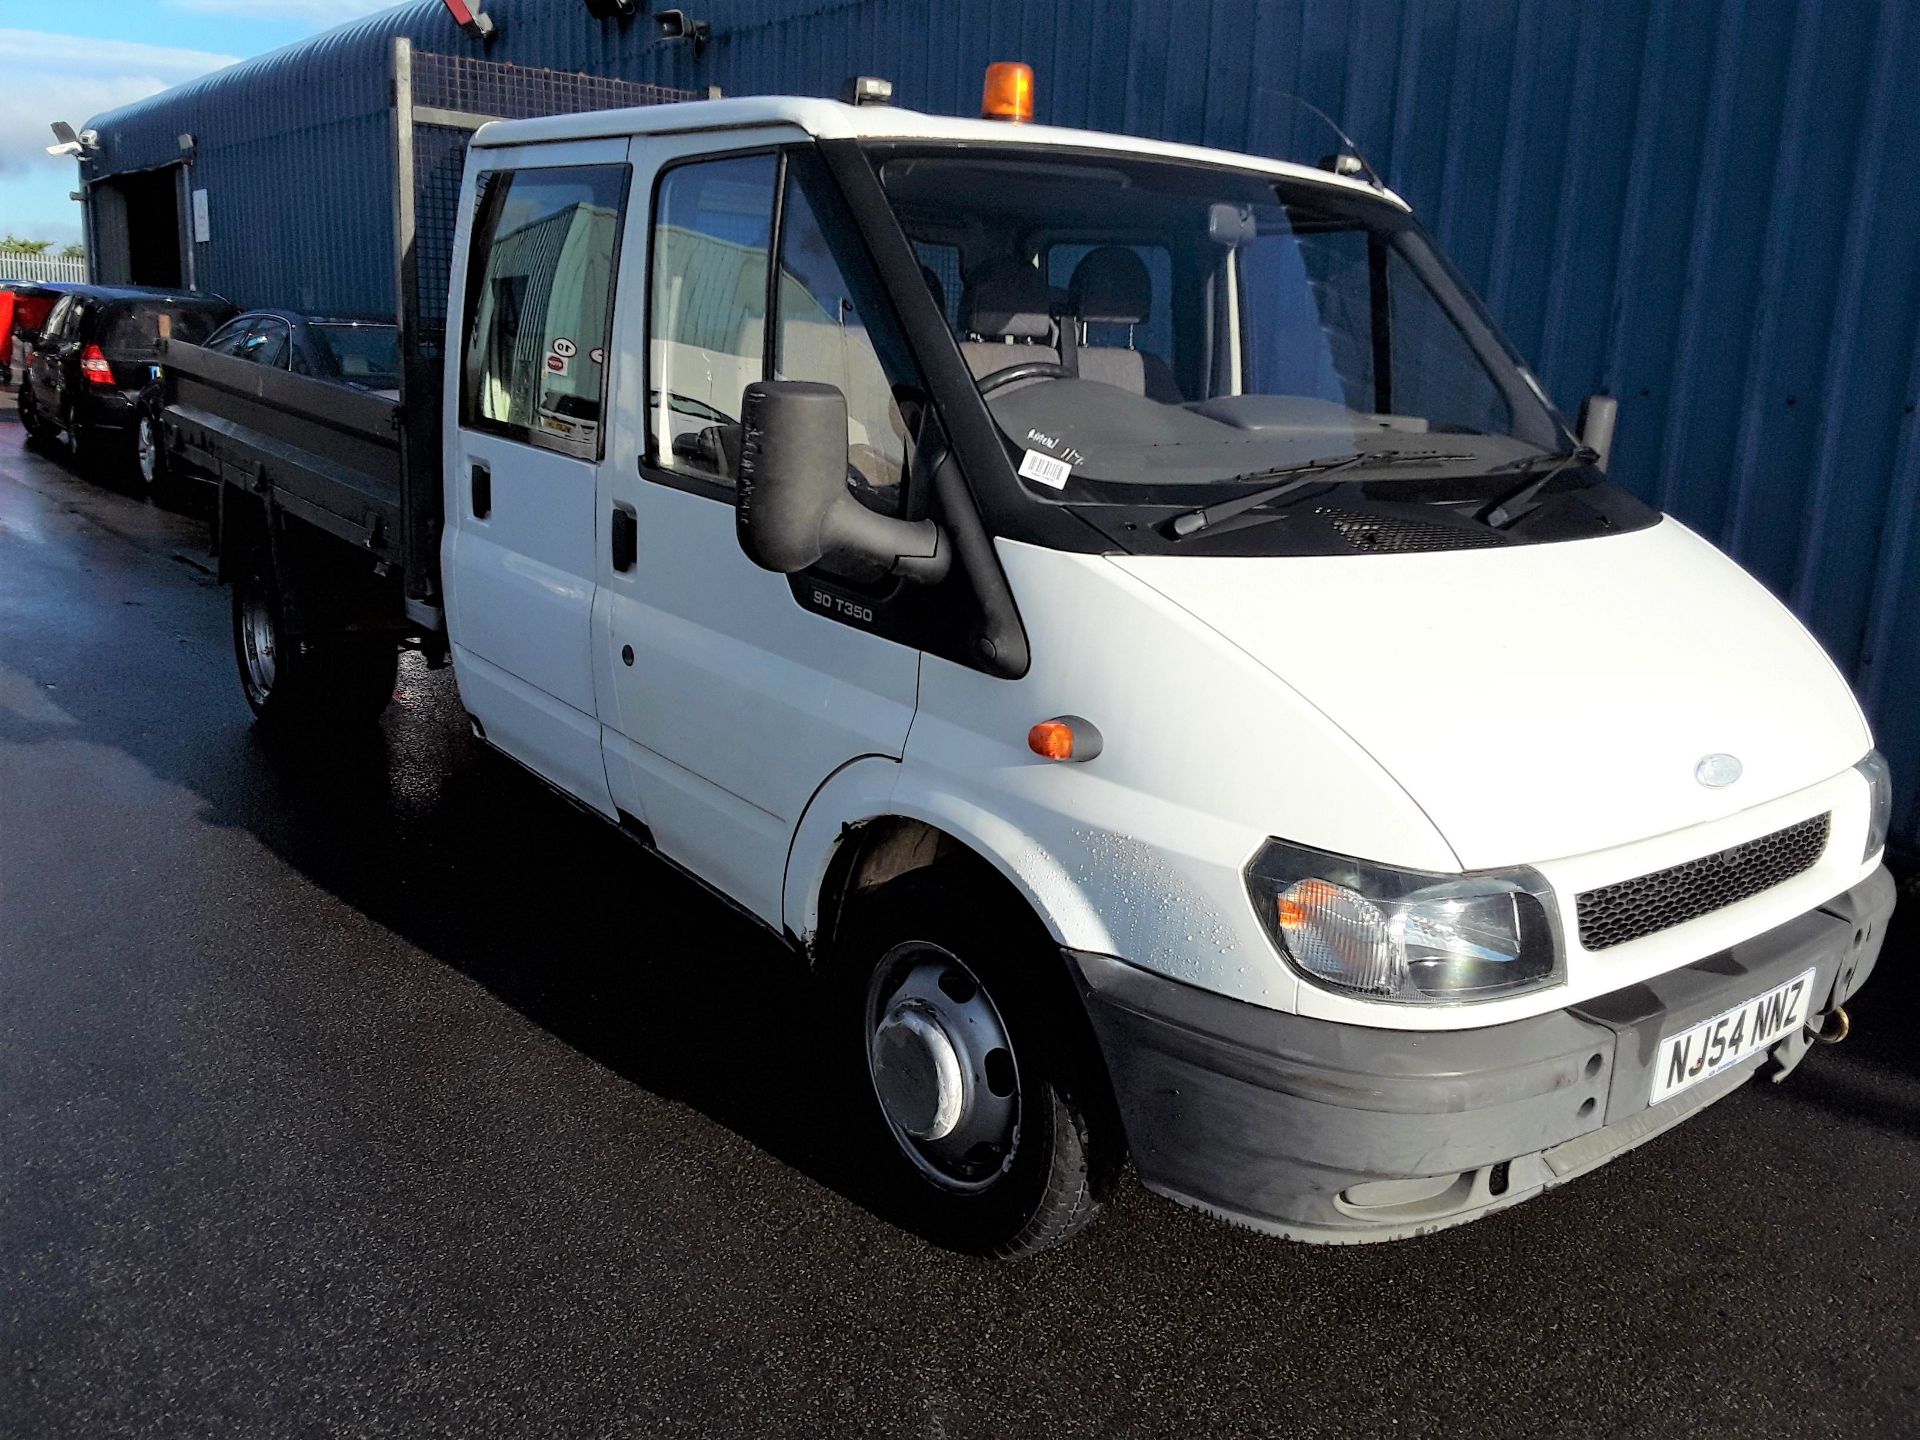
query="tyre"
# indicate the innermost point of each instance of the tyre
(289, 682)
(988, 1097)
(32, 420)
(149, 454)
(84, 449)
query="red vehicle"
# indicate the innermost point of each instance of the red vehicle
(24, 307)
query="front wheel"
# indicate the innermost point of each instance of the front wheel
(32, 420)
(992, 1104)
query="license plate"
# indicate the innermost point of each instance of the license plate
(1704, 1050)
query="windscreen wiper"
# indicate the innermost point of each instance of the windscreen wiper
(1292, 478)
(1524, 499)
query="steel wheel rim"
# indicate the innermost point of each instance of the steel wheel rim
(942, 1067)
(258, 645)
(147, 450)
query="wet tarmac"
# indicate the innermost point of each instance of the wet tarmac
(375, 1091)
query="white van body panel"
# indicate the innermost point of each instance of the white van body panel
(1544, 700)
(1074, 838)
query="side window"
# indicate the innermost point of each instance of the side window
(712, 232)
(539, 304)
(56, 323)
(1435, 372)
(267, 345)
(834, 325)
(1310, 291)
(229, 337)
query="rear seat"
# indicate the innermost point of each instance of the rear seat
(1110, 286)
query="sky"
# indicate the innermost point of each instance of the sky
(68, 59)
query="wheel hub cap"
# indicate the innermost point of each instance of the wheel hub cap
(917, 1073)
(943, 1067)
(257, 632)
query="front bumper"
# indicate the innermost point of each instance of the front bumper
(1338, 1133)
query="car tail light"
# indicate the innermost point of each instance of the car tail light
(94, 366)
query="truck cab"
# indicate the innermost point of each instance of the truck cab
(1124, 615)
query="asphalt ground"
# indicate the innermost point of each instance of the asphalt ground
(375, 1091)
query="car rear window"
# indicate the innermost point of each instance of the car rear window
(135, 328)
(367, 355)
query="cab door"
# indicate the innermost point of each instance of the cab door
(738, 692)
(525, 446)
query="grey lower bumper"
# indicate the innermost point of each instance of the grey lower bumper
(1334, 1133)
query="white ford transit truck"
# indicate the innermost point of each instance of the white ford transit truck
(1120, 612)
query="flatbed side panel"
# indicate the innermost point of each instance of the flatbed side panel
(326, 453)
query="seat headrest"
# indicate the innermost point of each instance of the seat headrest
(1110, 287)
(1009, 298)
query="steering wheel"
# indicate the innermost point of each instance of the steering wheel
(1026, 370)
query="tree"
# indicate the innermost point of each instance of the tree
(75, 251)
(12, 244)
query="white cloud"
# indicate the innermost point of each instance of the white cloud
(62, 77)
(31, 51)
(318, 13)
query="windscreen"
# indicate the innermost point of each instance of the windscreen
(1144, 325)
(133, 328)
(364, 355)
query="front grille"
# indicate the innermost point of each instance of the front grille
(1629, 909)
(1399, 535)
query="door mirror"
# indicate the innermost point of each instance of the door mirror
(1597, 417)
(794, 507)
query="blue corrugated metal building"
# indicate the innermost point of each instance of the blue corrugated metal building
(1703, 207)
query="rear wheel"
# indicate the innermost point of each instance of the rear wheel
(291, 681)
(991, 1103)
(148, 455)
(85, 448)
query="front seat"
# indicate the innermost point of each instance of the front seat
(1110, 286)
(1008, 314)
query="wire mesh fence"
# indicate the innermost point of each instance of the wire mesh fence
(467, 87)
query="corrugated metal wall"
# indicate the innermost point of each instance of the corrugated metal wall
(1704, 207)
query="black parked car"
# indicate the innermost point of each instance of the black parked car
(95, 355)
(362, 353)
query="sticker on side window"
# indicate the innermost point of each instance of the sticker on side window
(1045, 470)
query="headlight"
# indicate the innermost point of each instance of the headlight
(1879, 801)
(1406, 935)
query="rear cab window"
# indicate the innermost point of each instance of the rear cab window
(539, 304)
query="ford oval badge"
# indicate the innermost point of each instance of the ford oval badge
(1716, 772)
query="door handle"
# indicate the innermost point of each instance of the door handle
(626, 537)
(482, 491)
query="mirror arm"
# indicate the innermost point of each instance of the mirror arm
(918, 548)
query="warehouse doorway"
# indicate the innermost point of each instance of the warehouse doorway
(139, 229)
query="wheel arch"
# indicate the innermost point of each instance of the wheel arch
(868, 824)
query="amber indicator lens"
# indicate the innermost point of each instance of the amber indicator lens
(1051, 740)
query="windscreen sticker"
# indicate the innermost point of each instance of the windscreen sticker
(1045, 470)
